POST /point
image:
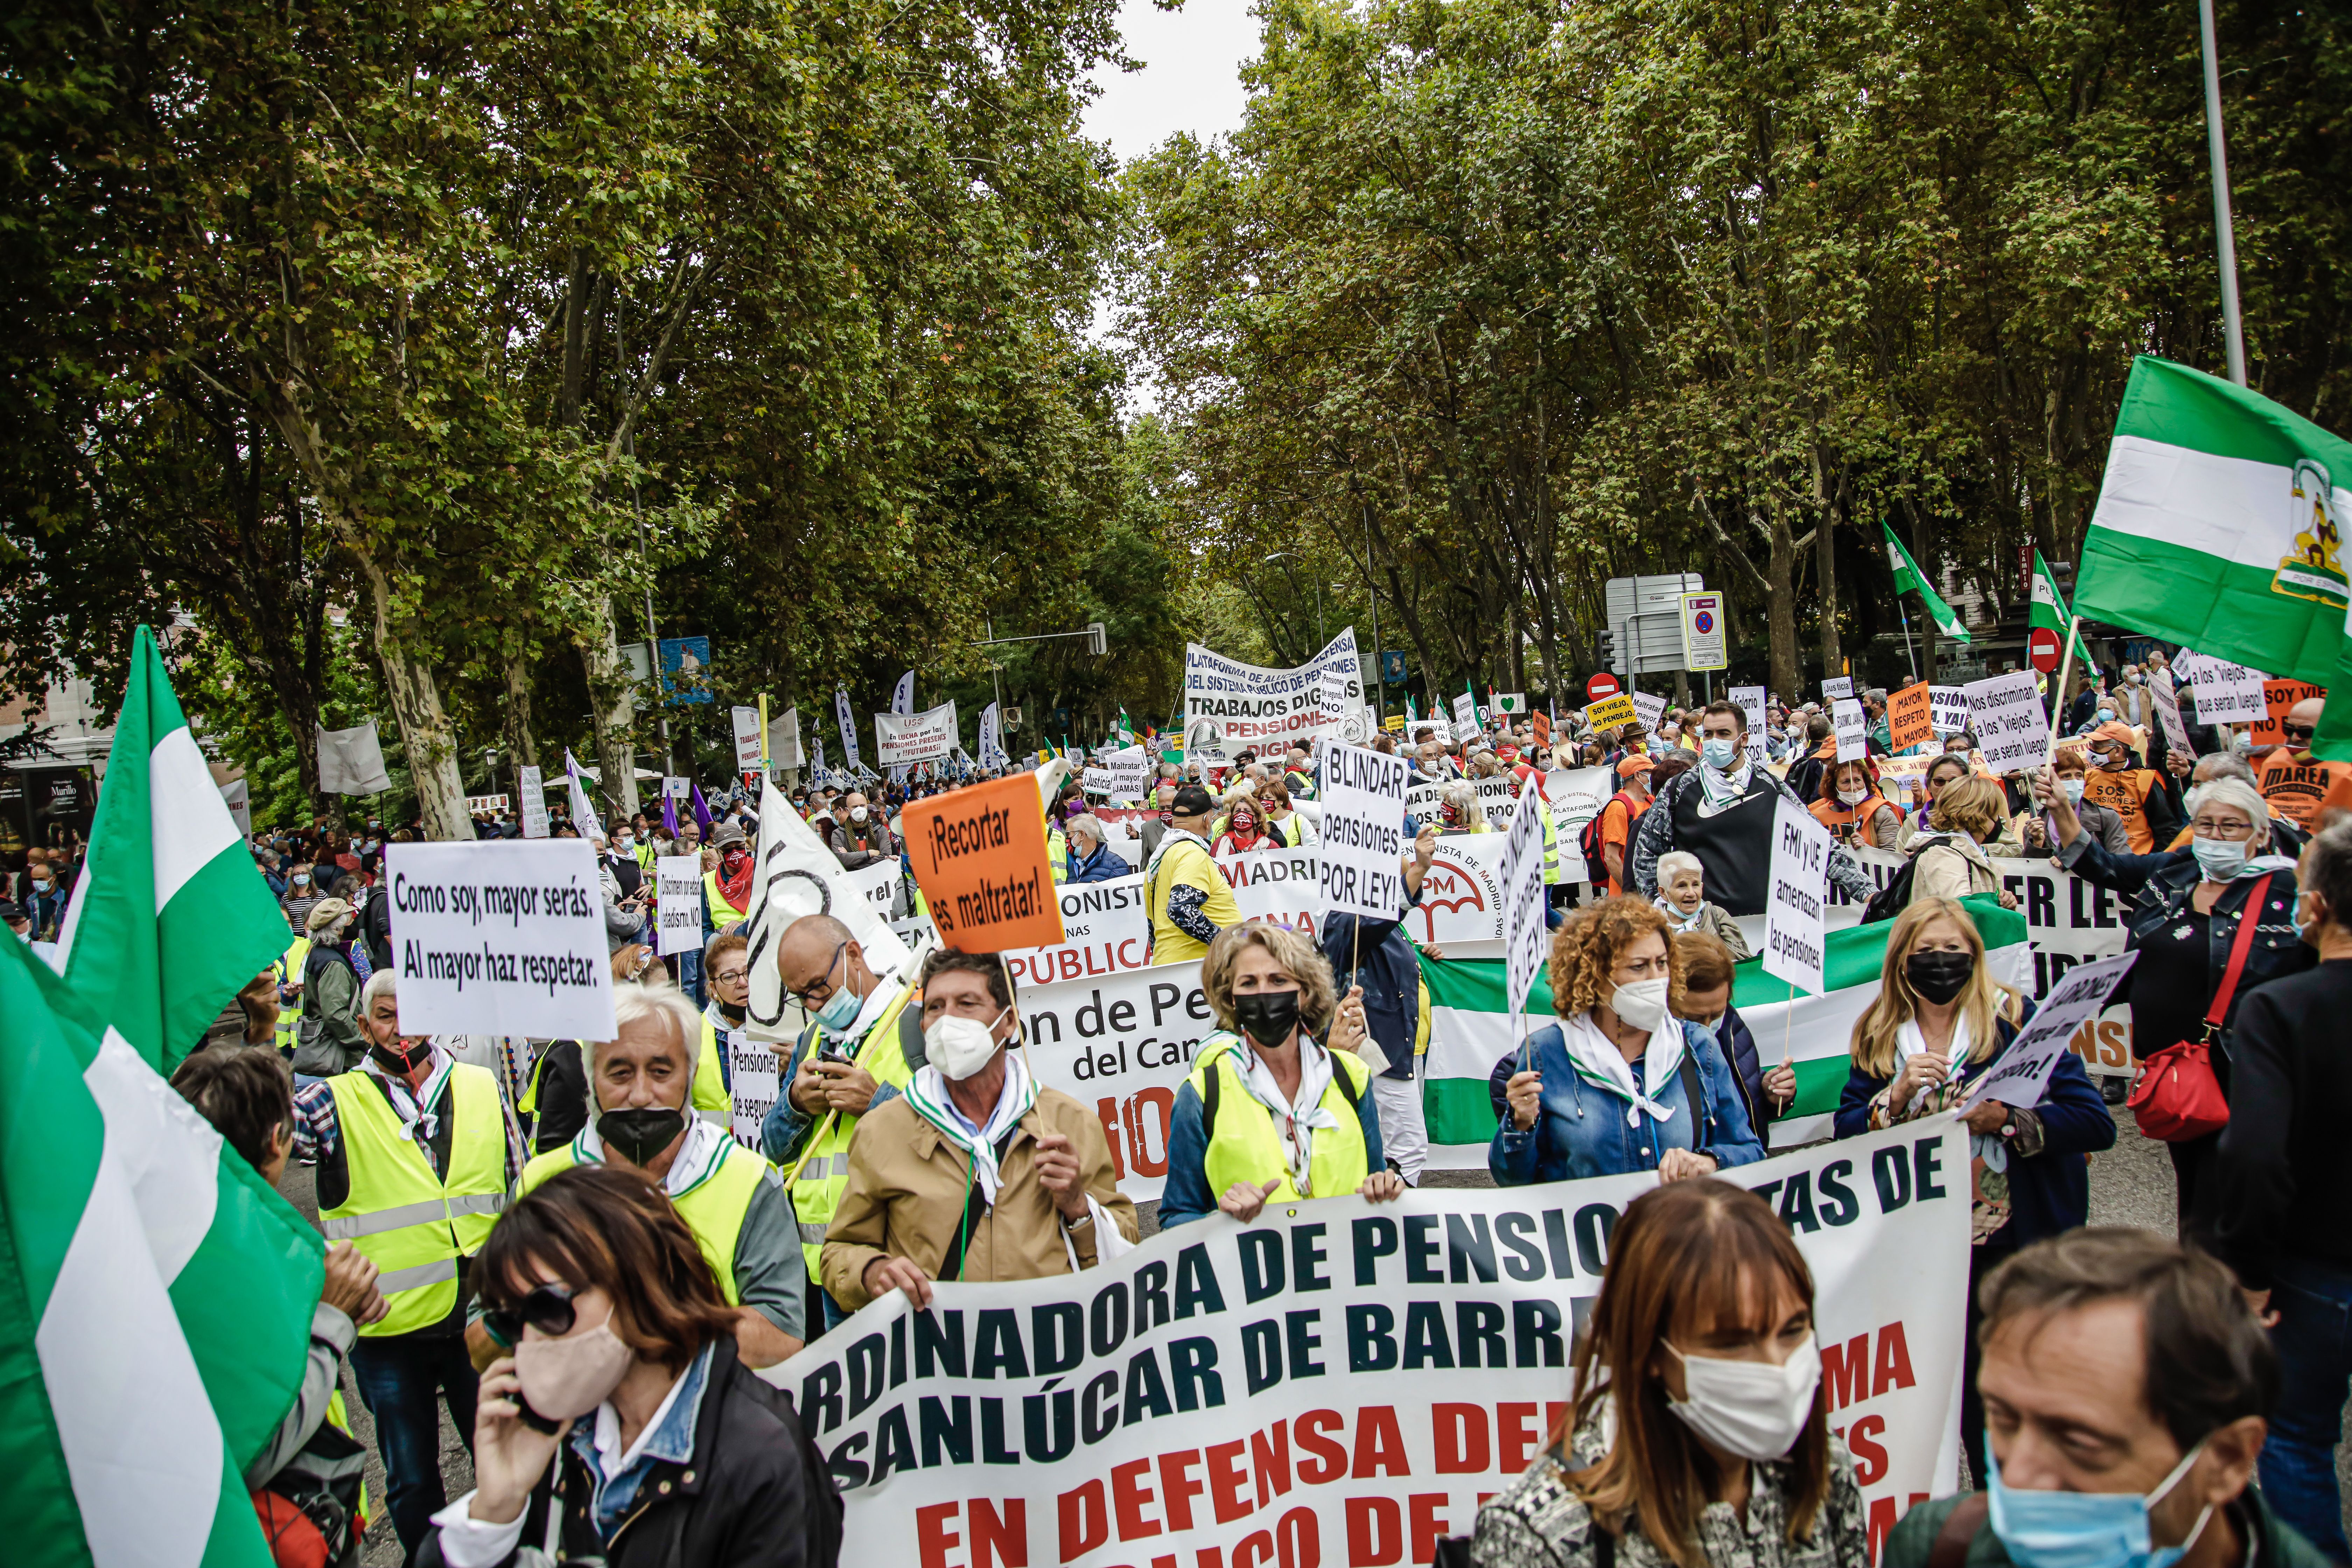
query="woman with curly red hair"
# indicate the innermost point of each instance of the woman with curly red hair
(1619, 1083)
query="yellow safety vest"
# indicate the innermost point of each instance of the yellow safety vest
(713, 1207)
(710, 1095)
(289, 972)
(412, 1225)
(722, 913)
(822, 1176)
(1243, 1145)
(1169, 942)
(1057, 853)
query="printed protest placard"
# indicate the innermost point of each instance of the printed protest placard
(678, 880)
(1496, 798)
(530, 792)
(1363, 831)
(747, 739)
(2278, 698)
(2010, 728)
(1096, 781)
(1230, 705)
(1524, 932)
(1611, 713)
(1751, 703)
(1846, 715)
(979, 855)
(2168, 714)
(1796, 931)
(1130, 775)
(751, 1080)
(1651, 709)
(1104, 930)
(1950, 705)
(2023, 1070)
(1466, 715)
(1910, 718)
(1836, 687)
(1335, 1378)
(501, 937)
(2071, 921)
(903, 738)
(2225, 693)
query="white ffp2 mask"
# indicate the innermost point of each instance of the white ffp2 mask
(960, 1047)
(1750, 1408)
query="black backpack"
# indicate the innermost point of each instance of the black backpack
(1588, 838)
(1891, 900)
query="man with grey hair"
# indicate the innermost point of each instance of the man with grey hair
(640, 1103)
(1092, 859)
(416, 1154)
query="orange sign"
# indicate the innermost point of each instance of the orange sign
(980, 859)
(2281, 695)
(1542, 724)
(1910, 718)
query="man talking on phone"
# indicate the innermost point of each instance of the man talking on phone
(863, 1042)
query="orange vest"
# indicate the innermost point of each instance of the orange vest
(1842, 819)
(2125, 792)
(2292, 789)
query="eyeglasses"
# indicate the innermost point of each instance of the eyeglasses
(731, 976)
(547, 1308)
(825, 982)
(2221, 827)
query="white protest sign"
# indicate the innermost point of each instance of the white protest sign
(2010, 728)
(799, 875)
(1285, 885)
(1496, 798)
(1750, 699)
(1230, 705)
(1419, 730)
(1130, 775)
(501, 937)
(1837, 686)
(678, 893)
(2168, 713)
(1846, 715)
(747, 739)
(2225, 693)
(2023, 1071)
(1465, 716)
(1363, 831)
(903, 738)
(1105, 929)
(1524, 932)
(1095, 781)
(530, 790)
(784, 741)
(1336, 1378)
(1577, 796)
(674, 787)
(751, 1082)
(1652, 710)
(2070, 921)
(1796, 933)
(1947, 709)
(877, 885)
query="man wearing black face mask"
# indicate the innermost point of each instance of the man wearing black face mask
(641, 1087)
(416, 1155)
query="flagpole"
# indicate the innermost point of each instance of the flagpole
(1909, 658)
(2058, 703)
(2224, 235)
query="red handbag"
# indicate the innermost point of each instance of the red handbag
(2177, 1097)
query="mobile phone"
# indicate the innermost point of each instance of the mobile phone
(532, 1418)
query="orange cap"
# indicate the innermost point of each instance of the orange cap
(2119, 732)
(1636, 764)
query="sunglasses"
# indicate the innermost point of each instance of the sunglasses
(547, 1308)
(2298, 731)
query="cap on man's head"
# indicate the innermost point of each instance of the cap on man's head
(1192, 800)
(726, 832)
(1636, 764)
(2117, 731)
(13, 914)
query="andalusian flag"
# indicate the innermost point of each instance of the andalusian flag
(2217, 525)
(1909, 579)
(171, 915)
(1469, 1030)
(2048, 611)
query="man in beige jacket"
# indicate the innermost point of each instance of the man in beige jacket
(975, 1173)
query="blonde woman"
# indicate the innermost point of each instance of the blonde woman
(1278, 1106)
(1941, 1019)
(1459, 811)
(1968, 814)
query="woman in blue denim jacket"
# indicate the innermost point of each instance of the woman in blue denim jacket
(1610, 1088)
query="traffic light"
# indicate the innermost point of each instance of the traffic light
(1097, 642)
(1605, 648)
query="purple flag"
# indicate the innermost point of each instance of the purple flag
(670, 815)
(701, 812)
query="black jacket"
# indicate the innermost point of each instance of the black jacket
(756, 1491)
(1731, 1032)
(2281, 1185)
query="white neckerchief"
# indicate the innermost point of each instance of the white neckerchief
(1169, 840)
(416, 1111)
(1681, 923)
(1909, 1041)
(928, 1093)
(1723, 789)
(1300, 1116)
(1599, 1062)
(697, 1157)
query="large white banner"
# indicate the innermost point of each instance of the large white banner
(1497, 797)
(1104, 930)
(1341, 1381)
(1230, 705)
(501, 937)
(927, 737)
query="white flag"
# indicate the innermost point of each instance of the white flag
(351, 762)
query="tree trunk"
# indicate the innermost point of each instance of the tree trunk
(425, 728)
(521, 749)
(1825, 567)
(610, 708)
(1780, 598)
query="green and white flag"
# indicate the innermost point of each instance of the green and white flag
(171, 915)
(2047, 610)
(1909, 579)
(1469, 1030)
(2217, 525)
(157, 1294)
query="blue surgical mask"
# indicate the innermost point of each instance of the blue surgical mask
(1720, 753)
(840, 1010)
(2085, 1529)
(2219, 858)
(2072, 790)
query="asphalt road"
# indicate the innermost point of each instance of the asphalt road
(2132, 1185)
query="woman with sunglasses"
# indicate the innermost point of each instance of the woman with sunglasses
(622, 1426)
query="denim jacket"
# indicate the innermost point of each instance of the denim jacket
(1581, 1131)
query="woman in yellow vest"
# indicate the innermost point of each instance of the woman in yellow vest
(1270, 1113)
